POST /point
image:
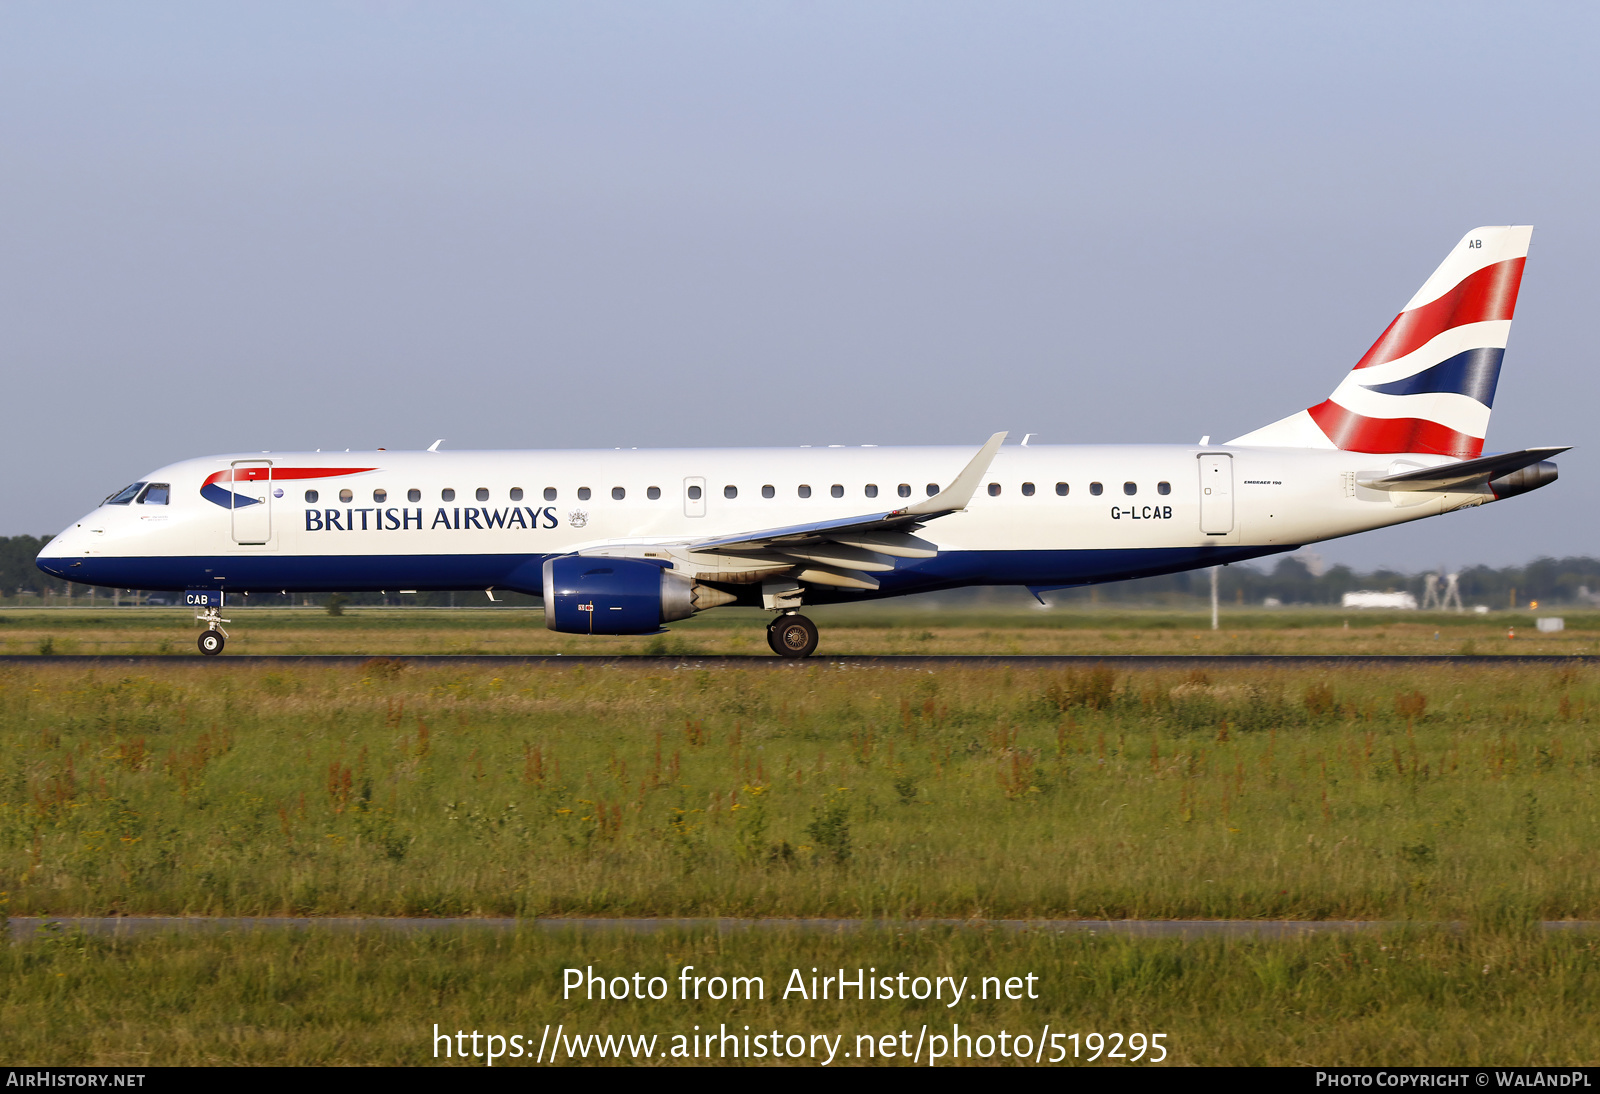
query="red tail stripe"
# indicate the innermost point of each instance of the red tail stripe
(259, 474)
(1491, 293)
(1354, 432)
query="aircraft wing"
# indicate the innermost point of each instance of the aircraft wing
(843, 552)
(1463, 474)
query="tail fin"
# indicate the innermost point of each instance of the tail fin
(1427, 384)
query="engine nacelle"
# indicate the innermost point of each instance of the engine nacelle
(598, 595)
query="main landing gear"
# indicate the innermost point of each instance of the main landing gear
(792, 636)
(213, 637)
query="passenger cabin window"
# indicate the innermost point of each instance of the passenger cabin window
(654, 493)
(694, 493)
(768, 492)
(618, 493)
(933, 488)
(549, 493)
(1163, 488)
(346, 496)
(1096, 489)
(447, 494)
(380, 495)
(836, 490)
(904, 490)
(413, 494)
(994, 490)
(1027, 489)
(483, 493)
(1130, 488)
(125, 495)
(311, 496)
(730, 491)
(805, 491)
(583, 493)
(516, 493)
(1062, 489)
(155, 494)
(872, 489)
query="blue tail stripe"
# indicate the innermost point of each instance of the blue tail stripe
(1473, 373)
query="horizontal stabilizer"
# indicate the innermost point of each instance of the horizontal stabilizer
(1464, 474)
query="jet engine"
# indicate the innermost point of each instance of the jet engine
(600, 595)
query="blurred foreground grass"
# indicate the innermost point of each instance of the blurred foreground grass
(1415, 997)
(1427, 793)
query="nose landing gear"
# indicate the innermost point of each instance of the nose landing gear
(792, 636)
(213, 637)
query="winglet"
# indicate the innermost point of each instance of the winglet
(958, 493)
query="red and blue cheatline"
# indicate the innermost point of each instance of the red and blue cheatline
(216, 495)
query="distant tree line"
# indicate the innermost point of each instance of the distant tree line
(18, 574)
(1288, 580)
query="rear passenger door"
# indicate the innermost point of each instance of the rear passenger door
(1216, 493)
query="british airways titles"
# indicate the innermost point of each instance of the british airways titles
(400, 520)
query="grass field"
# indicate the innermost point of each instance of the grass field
(1404, 997)
(1417, 794)
(1439, 793)
(890, 628)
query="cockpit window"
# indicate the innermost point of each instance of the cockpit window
(124, 496)
(155, 494)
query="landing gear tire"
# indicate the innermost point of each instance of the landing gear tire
(211, 643)
(792, 636)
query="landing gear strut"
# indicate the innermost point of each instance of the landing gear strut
(213, 637)
(792, 636)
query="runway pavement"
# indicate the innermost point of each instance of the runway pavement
(776, 664)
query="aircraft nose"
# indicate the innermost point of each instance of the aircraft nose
(61, 555)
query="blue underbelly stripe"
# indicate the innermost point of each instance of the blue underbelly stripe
(270, 573)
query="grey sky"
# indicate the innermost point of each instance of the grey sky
(281, 226)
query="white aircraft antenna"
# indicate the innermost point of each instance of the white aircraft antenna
(1205, 440)
(1026, 437)
(434, 447)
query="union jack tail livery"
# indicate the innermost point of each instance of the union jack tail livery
(1427, 384)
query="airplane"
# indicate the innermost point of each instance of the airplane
(624, 542)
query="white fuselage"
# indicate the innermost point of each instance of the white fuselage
(539, 504)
